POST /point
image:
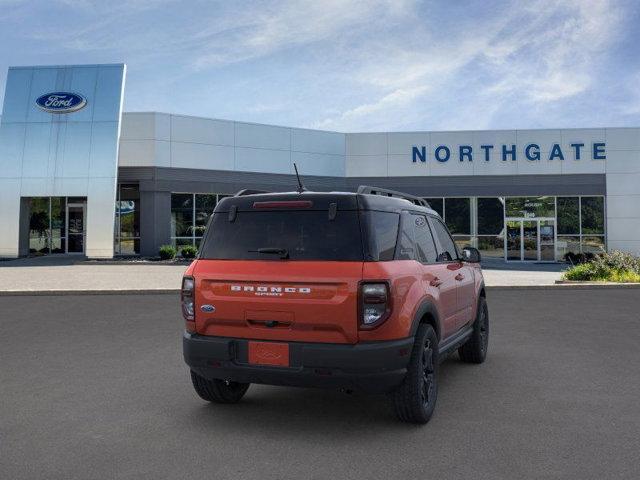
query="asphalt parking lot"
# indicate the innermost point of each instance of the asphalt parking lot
(93, 387)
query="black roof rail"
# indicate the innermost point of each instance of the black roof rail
(368, 190)
(249, 191)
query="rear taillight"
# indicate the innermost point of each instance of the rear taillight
(186, 295)
(375, 304)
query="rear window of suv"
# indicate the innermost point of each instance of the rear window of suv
(302, 234)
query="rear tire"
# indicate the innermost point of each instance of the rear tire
(475, 349)
(415, 399)
(218, 391)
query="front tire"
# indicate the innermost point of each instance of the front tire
(218, 391)
(415, 399)
(475, 349)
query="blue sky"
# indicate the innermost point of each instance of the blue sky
(350, 65)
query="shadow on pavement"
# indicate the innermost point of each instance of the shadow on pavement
(44, 261)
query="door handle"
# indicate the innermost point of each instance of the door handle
(436, 282)
(459, 277)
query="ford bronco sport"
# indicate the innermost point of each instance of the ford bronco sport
(359, 291)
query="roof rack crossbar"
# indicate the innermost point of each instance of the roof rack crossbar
(249, 191)
(368, 190)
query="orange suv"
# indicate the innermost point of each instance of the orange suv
(360, 291)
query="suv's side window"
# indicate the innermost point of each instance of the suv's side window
(424, 240)
(447, 251)
(406, 250)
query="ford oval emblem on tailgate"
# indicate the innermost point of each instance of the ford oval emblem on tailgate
(208, 308)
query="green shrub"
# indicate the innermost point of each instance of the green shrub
(582, 271)
(188, 251)
(167, 252)
(617, 260)
(624, 277)
(607, 267)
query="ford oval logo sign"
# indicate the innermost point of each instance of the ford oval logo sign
(61, 102)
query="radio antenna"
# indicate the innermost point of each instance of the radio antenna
(300, 185)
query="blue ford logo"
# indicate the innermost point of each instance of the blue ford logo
(208, 308)
(61, 102)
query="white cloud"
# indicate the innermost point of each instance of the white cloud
(283, 25)
(350, 64)
(534, 55)
(551, 56)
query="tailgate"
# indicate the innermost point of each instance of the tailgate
(297, 301)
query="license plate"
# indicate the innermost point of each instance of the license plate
(269, 353)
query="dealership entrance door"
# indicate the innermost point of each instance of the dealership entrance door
(76, 220)
(532, 240)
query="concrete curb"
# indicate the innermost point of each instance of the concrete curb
(22, 293)
(566, 286)
(176, 291)
(581, 282)
(179, 263)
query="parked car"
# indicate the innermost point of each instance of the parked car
(359, 291)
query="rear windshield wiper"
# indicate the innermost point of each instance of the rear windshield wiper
(283, 252)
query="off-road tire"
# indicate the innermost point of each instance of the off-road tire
(415, 399)
(474, 350)
(218, 391)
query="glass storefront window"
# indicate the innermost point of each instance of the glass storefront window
(491, 246)
(436, 204)
(190, 213)
(457, 212)
(181, 214)
(593, 244)
(592, 214)
(530, 207)
(127, 226)
(48, 224)
(39, 225)
(181, 242)
(567, 244)
(58, 244)
(204, 208)
(490, 216)
(568, 216)
(129, 211)
(462, 241)
(58, 216)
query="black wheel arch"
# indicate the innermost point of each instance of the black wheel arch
(427, 313)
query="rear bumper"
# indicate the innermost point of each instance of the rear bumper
(373, 367)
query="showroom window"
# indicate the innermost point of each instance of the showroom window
(530, 207)
(47, 225)
(568, 215)
(568, 225)
(127, 226)
(456, 213)
(479, 221)
(490, 227)
(56, 225)
(581, 223)
(592, 218)
(436, 204)
(189, 215)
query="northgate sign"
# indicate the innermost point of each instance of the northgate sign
(531, 152)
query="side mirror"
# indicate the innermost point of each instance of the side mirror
(471, 255)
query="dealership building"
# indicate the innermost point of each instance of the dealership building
(79, 176)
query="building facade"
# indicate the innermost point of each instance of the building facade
(521, 195)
